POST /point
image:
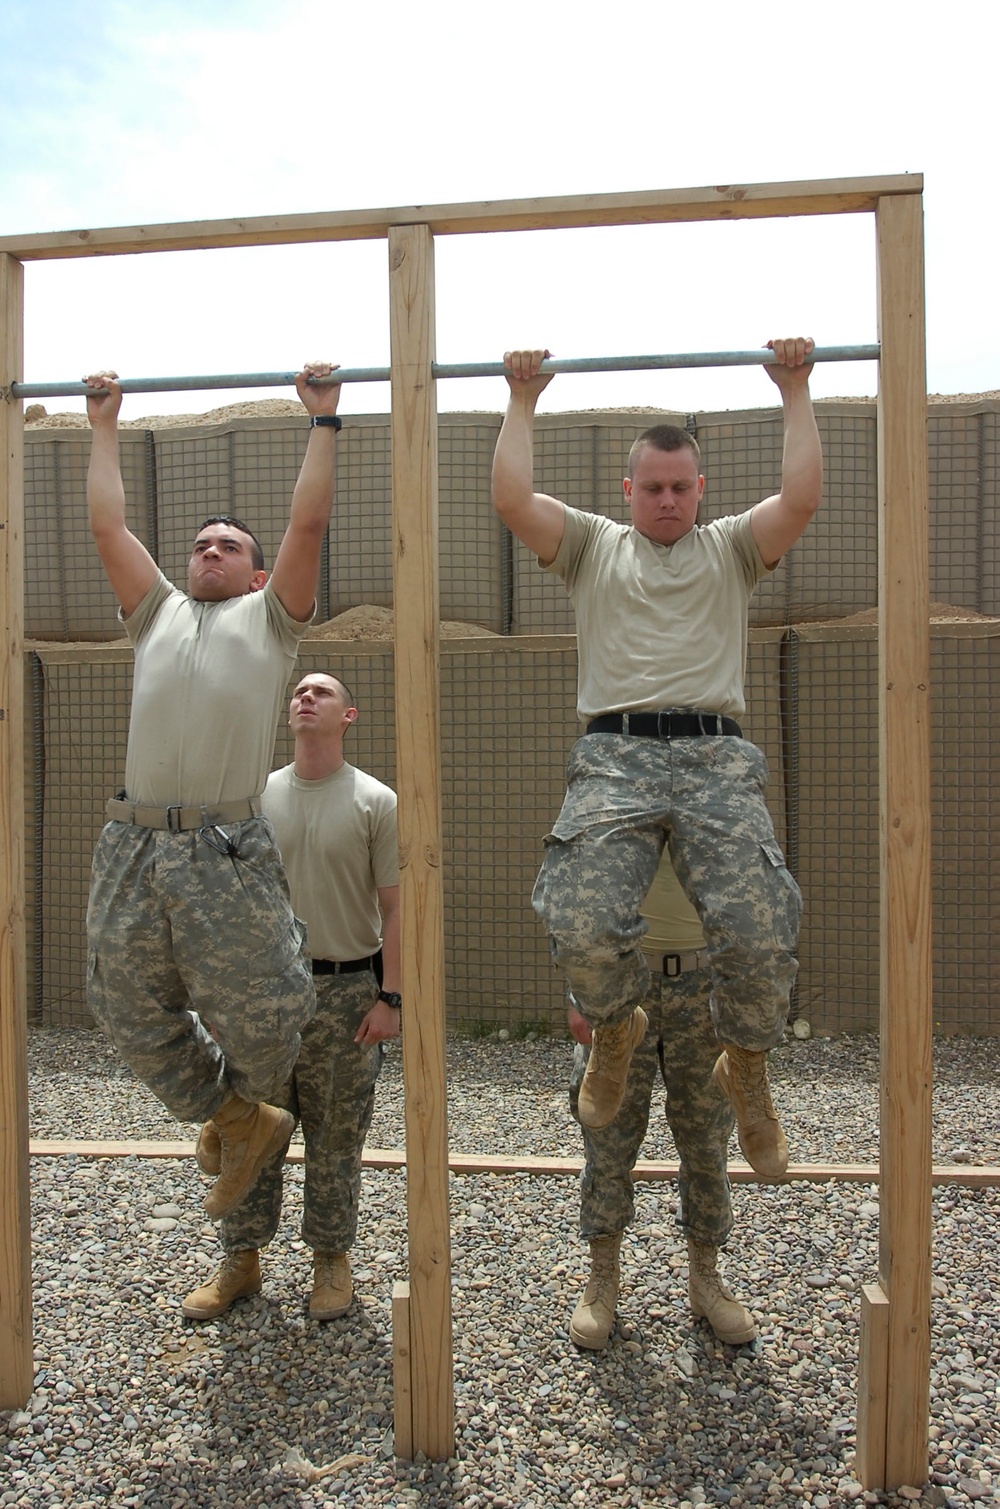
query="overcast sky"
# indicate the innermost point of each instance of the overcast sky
(129, 113)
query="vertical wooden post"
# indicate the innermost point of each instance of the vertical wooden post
(16, 1365)
(904, 778)
(418, 746)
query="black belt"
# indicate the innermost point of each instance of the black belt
(343, 967)
(665, 725)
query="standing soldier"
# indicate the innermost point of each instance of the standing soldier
(336, 829)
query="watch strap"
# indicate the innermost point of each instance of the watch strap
(326, 421)
(391, 998)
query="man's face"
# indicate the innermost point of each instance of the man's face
(319, 707)
(663, 493)
(221, 565)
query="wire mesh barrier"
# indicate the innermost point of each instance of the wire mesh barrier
(508, 695)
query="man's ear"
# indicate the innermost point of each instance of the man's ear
(258, 581)
(627, 488)
(351, 715)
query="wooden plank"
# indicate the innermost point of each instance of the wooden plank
(832, 632)
(647, 207)
(873, 1380)
(16, 1366)
(402, 1383)
(418, 766)
(905, 837)
(82, 652)
(967, 1176)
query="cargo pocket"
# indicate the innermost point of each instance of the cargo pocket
(786, 898)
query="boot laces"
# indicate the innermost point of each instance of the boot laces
(603, 1275)
(233, 1264)
(749, 1072)
(607, 1044)
(325, 1269)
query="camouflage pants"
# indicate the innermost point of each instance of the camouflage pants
(177, 932)
(681, 1043)
(331, 1093)
(704, 797)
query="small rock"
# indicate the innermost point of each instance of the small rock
(973, 1488)
(685, 1363)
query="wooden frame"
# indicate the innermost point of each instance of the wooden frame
(894, 1389)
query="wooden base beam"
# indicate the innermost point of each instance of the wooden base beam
(969, 1176)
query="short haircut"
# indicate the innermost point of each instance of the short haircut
(663, 437)
(343, 687)
(257, 552)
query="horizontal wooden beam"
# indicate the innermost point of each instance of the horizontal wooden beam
(748, 201)
(969, 1175)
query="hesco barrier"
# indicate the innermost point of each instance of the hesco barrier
(508, 702)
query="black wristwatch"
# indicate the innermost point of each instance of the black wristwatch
(391, 998)
(328, 421)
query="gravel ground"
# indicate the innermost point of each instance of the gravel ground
(135, 1406)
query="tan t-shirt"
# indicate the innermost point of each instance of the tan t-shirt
(659, 625)
(208, 689)
(674, 927)
(337, 838)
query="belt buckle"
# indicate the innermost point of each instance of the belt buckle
(662, 732)
(174, 823)
(671, 965)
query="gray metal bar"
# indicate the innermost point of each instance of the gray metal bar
(762, 358)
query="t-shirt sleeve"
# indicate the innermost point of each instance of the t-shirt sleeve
(744, 547)
(385, 850)
(287, 630)
(141, 618)
(579, 529)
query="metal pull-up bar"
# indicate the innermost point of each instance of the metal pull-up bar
(764, 357)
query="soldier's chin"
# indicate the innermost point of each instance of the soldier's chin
(209, 592)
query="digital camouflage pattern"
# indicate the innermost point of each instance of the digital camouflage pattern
(331, 1093)
(680, 1043)
(180, 928)
(704, 797)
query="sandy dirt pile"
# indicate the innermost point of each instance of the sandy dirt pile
(367, 621)
(940, 613)
(36, 418)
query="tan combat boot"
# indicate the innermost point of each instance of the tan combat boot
(332, 1287)
(731, 1321)
(238, 1276)
(249, 1132)
(208, 1149)
(742, 1077)
(602, 1088)
(594, 1315)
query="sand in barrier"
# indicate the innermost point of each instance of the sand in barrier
(368, 621)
